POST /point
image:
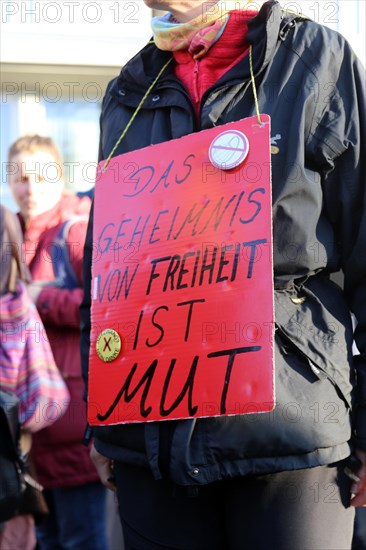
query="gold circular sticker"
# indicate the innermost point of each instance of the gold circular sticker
(108, 345)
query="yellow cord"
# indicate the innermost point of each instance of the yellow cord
(151, 87)
(300, 15)
(135, 114)
(254, 88)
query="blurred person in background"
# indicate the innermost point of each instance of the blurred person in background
(54, 227)
(28, 372)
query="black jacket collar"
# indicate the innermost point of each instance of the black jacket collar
(264, 32)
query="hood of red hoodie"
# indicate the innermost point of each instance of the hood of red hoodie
(69, 206)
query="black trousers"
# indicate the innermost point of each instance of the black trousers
(294, 510)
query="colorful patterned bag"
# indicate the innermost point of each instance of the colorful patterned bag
(27, 366)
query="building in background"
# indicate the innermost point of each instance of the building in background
(58, 56)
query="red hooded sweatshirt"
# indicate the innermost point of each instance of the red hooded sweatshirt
(58, 454)
(199, 75)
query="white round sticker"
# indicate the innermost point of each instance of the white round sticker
(229, 149)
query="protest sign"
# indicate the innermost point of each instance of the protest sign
(182, 282)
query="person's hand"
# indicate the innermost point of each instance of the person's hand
(358, 489)
(104, 468)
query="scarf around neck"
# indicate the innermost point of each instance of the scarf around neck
(198, 35)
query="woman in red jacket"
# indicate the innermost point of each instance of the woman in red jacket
(74, 494)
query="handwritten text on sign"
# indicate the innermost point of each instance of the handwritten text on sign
(182, 295)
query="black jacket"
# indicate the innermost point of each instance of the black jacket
(310, 83)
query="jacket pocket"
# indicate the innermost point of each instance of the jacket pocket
(319, 336)
(315, 365)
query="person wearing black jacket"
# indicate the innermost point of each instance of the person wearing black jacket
(230, 482)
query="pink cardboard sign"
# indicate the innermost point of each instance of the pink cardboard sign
(182, 282)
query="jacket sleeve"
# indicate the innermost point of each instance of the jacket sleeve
(339, 142)
(60, 306)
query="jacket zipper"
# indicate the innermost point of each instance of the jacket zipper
(195, 81)
(179, 87)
